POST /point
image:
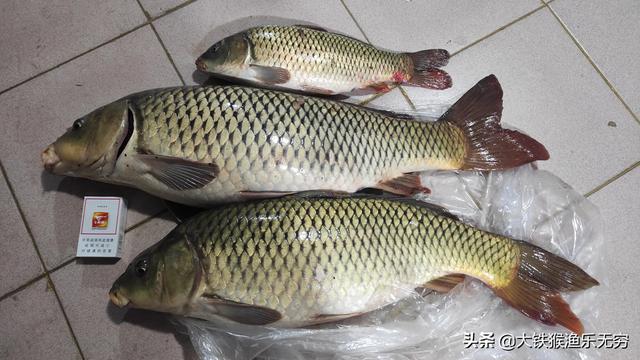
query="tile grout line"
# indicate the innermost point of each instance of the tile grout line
(481, 39)
(612, 179)
(146, 220)
(22, 287)
(42, 263)
(374, 96)
(592, 62)
(138, 27)
(64, 313)
(173, 9)
(355, 21)
(69, 261)
(522, 17)
(150, 21)
(73, 58)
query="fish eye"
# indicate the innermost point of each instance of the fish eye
(213, 49)
(141, 267)
(78, 124)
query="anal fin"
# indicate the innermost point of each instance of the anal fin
(405, 185)
(445, 283)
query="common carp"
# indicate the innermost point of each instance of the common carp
(204, 145)
(305, 260)
(311, 59)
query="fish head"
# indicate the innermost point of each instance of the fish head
(226, 56)
(91, 146)
(166, 277)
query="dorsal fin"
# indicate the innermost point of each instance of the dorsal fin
(312, 27)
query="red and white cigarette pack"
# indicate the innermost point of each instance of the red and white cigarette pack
(102, 227)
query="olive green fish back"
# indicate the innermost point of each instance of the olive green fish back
(271, 137)
(337, 57)
(313, 257)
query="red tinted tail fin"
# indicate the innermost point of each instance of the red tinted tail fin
(425, 69)
(536, 285)
(489, 146)
(429, 58)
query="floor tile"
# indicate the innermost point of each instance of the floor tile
(105, 331)
(33, 327)
(618, 305)
(418, 25)
(609, 31)
(18, 259)
(37, 35)
(552, 93)
(188, 32)
(35, 113)
(158, 7)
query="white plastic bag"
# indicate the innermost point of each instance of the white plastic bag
(523, 203)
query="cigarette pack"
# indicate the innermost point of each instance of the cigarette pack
(102, 227)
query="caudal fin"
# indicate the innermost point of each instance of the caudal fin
(489, 146)
(537, 283)
(425, 69)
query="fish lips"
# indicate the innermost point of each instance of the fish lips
(117, 298)
(201, 64)
(50, 159)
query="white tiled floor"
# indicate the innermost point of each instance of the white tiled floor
(609, 35)
(50, 74)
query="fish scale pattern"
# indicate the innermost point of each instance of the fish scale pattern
(266, 140)
(315, 256)
(324, 55)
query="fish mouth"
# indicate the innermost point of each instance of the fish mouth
(118, 299)
(50, 159)
(201, 65)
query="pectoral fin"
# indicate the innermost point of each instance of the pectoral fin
(244, 313)
(271, 75)
(255, 195)
(178, 173)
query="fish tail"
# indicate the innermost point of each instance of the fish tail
(535, 287)
(489, 146)
(425, 69)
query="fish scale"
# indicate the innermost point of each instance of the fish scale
(278, 255)
(347, 60)
(275, 141)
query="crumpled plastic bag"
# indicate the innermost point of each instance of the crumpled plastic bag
(523, 203)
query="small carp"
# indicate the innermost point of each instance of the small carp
(311, 59)
(204, 145)
(306, 260)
